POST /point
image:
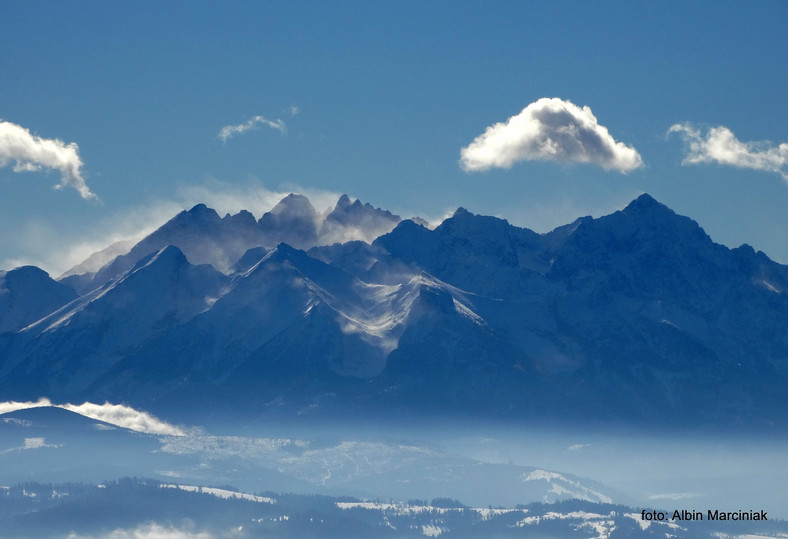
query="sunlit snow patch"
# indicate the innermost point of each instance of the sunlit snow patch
(222, 493)
(601, 525)
(561, 486)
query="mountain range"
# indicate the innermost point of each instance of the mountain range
(636, 317)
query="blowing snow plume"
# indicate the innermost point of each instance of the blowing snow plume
(114, 414)
(550, 129)
(31, 153)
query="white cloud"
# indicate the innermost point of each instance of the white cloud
(229, 131)
(550, 129)
(31, 153)
(720, 145)
(115, 414)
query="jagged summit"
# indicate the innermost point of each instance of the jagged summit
(355, 220)
(202, 212)
(243, 218)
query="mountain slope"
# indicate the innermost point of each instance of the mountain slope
(63, 352)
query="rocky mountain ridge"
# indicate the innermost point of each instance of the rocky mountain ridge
(631, 317)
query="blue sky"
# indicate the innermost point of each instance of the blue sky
(378, 100)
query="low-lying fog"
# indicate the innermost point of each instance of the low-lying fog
(476, 463)
(731, 471)
(666, 472)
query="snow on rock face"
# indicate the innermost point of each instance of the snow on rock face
(81, 341)
(163, 284)
(200, 234)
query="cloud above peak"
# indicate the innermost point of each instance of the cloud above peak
(30, 153)
(229, 131)
(550, 129)
(719, 145)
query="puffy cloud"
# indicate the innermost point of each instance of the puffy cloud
(30, 153)
(115, 414)
(550, 129)
(229, 131)
(720, 145)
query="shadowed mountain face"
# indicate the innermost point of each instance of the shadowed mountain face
(635, 316)
(28, 294)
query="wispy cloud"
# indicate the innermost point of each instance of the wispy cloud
(115, 414)
(550, 129)
(719, 145)
(229, 131)
(29, 153)
(55, 250)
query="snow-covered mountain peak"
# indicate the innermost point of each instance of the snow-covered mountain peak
(169, 255)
